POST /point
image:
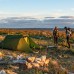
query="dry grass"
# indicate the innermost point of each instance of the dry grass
(61, 54)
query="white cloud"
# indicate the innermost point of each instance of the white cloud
(15, 14)
(39, 15)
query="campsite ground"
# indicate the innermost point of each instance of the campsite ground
(62, 54)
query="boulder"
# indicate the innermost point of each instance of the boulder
(35, 65)
(30, 59)
(43, 58)
(38, 60)
(46, 62)
(29, 65)
(2, 72)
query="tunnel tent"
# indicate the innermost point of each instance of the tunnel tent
(18, 42)
(15, 42)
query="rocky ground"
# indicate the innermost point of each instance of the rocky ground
(63, 56)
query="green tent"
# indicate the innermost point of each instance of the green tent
(31, 43)
(18, 42)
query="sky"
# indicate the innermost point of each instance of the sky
(36, 8)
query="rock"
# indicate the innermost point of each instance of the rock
(1, 58)
(2, 72)
(1, 54)
(10, 72)
(19, 57)
(46, 62)
(43, 58)
(38, 60)
(29, 65)
(30, 59)
(10, 57)
(35, 65)
(41, 63)
(60, 56)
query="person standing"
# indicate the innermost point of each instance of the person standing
(55, 35)
(68, 36)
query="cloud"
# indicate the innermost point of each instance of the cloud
(22, 14)
(71, 17)
(39, 15)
